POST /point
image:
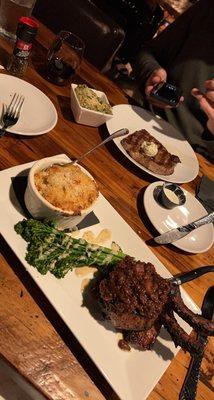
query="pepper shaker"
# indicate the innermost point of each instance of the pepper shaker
(26, 32)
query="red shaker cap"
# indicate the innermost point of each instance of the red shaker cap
(29, 21)
(27, 29)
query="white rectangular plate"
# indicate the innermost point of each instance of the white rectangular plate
(131, 374)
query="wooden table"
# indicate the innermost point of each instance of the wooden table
(33, 339)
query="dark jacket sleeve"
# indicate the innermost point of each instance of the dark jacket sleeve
(161, 51)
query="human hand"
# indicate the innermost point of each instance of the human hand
(158, 76)
(206, 101)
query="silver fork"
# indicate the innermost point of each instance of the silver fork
(11, 113)
(119, 133)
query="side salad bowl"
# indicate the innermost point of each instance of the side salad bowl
(86, 116)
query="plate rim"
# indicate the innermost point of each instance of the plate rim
(55, 119)
(167, 178)
(148, 190)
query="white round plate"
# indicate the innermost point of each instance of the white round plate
(197, 241)
(38, 114)
(135, 118)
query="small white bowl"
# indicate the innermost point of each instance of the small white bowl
(40, 208)
(84, 115)
(167, 200)
(198, 240)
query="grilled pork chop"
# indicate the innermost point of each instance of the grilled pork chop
(149, 152)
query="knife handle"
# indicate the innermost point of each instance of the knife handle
(189, 389)
(190, 275)
(202, 221)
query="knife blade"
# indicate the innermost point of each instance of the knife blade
(189, 388)
(178, 233)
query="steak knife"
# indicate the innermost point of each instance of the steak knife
(178, 233)
(189, 389)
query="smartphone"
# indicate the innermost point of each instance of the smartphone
(166, 93)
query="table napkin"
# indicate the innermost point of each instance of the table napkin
(205, 193)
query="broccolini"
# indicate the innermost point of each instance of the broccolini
(52, 250)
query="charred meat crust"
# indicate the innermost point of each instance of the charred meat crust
(138, 301)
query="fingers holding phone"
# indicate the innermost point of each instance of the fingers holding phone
(166, 95)
(160, 93)
(157, 76)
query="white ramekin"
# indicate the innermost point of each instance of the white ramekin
(40, 208)
(86, 116)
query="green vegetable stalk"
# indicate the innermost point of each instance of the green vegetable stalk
(52, 250)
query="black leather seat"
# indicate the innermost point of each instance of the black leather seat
(101, 34)
(139, 19)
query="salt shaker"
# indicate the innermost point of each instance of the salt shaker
(26, 32)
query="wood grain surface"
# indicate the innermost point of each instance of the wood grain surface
(33, 338)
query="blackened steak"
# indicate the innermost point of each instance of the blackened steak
(138, 301)
(162, 163)
(133, 295)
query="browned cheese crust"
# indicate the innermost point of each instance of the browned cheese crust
(68, 188)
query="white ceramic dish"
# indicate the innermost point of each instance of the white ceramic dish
(41, 208)
(38, 113)
(136, 118)
(197, 241)
(85, 116)
(131, 374)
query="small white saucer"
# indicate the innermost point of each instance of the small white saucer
(197, 241)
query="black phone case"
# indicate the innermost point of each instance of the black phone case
(171, 102)
(161, 99)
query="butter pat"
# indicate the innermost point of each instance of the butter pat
(149, 148)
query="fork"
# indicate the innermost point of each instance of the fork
(11, 114)
(116, 134)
